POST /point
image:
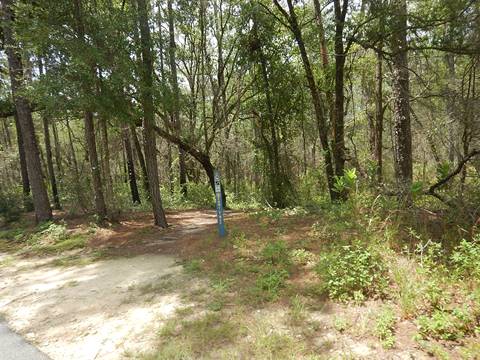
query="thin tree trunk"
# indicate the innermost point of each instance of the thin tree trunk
(58, 155)
(41, 204)
(100, 206)
(379, 111)
(146, 75)
(27, 203)
(106, 161)
(131, 168)
(176, 97)
(317, 101)
(141, 161)
(51, 171)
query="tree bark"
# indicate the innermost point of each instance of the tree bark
(41, 204)
(146, 88)
(401, 102)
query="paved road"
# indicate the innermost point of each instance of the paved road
(14, 347)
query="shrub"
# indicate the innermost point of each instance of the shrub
(385, 326)
(352, 272)
(10, 206)
(448, 325)
(466, 259)
(276, 253)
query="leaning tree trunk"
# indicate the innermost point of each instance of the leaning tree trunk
(201, 157)
(41, 204)
(401, 102)
(146, 87)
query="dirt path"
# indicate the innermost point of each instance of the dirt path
(105, 309)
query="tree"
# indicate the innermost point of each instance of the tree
(41, 203)
(146, 88)
(401, 100)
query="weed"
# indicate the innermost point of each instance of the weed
(385, 327)
(448, 325)
(276, 253)
(466, 259)
(193, 266)
(302, 256)
(297, 309)
(271, 282)
(340, 323)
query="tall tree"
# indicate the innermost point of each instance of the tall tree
(146, 89)
(100, 206)
(402, 134)
(41, 204)
(318, 105)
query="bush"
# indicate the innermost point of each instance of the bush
(448, 325)
(352, 272)
(385, 327)
(466, 259)
(10, 206)
(276, 253)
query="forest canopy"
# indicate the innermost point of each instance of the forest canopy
(108, 104)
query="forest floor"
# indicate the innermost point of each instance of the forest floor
(131, 290)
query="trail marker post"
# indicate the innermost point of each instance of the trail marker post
(219, 204)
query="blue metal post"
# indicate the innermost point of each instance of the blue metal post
(219, 204)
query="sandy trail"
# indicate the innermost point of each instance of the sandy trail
(90, 312)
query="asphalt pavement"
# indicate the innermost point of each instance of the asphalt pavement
(14, 347)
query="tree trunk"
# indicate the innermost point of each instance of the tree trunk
(176, 97)
(339, 121)
(27, 203)
(100, 206)
(146, 88)
(58, 155)
(379, 111)
(131, 168)
(316, 99)
(198, 155)
(106, 161)
(141, 160)
(51, 172)
(401, 102)
(41, 204)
